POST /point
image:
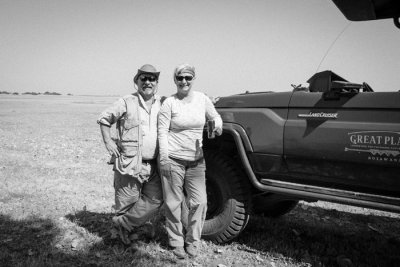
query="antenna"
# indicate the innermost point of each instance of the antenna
(330, 47)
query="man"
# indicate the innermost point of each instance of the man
(138, 191)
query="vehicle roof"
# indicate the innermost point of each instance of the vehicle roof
(361, 10)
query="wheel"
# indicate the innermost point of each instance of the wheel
(228, 199)
(272, 205)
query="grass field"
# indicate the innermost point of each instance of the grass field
(56, 200)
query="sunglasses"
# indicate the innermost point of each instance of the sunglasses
(187, 78)
(148, 78)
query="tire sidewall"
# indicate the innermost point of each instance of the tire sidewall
(225, 182)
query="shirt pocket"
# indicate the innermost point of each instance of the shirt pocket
(128, 149)
(130, 130)
(131, 123)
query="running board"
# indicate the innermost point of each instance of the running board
(335, 195)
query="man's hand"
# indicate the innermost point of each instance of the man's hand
(112, 148)
(108, 142)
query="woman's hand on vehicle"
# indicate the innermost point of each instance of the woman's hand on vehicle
(218, 131)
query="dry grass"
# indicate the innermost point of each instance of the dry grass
(56, 200)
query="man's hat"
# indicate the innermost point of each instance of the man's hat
(147, 68)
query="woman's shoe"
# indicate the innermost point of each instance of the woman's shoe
(192, 250)
(179, 252)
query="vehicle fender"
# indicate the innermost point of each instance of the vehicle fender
(243, 145)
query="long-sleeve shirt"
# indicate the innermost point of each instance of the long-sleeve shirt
(180, 126)
(148, 123)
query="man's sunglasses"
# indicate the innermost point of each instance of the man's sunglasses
(187, 78)
(148, 78)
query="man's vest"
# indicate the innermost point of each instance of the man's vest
(130, 138)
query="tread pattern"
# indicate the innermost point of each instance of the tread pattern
(236, 197)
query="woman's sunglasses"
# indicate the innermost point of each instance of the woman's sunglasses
(187, 78)
(148, 78)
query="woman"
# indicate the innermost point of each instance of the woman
(182, 167)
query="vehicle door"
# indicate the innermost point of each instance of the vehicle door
(344, 140)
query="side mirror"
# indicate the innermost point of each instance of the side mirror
(396, 21)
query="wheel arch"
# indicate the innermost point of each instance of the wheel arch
(235, 143)
(229, 143)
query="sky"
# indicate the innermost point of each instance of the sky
(95, 47)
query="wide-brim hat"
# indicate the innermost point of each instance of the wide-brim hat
(146, 69)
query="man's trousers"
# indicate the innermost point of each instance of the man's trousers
(137, 202)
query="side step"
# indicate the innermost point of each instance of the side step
(391, 204)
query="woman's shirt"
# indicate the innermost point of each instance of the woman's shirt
(180, 126)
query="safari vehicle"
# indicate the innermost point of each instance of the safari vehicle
(334, 141)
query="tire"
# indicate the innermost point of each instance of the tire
(228, 199)
(272, 206)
